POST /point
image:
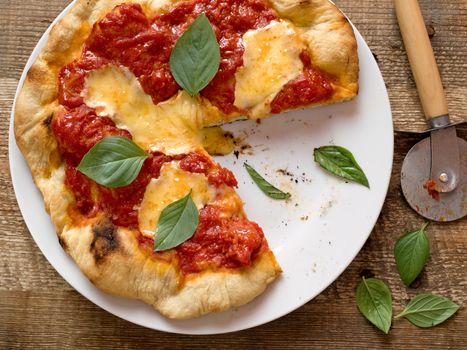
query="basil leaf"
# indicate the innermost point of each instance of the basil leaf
(177, 223)
(340, 162)
(375, 302)
(114, 161)
(196, 56)
(428, 310)
(265, 186)
(411, 253)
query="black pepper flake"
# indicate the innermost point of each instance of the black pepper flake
(284, 172)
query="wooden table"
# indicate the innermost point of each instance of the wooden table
(40, 310)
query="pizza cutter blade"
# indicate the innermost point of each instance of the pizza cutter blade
(434, 172)
(417, 171)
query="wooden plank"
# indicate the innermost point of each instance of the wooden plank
(65, 320)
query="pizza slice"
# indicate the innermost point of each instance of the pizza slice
(105, 72)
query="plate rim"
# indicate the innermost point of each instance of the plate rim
(338, 272)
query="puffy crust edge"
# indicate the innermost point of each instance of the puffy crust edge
(36, 105)
(110, 257)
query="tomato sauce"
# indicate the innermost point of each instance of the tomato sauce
(77, 130)
(127, 37)
(218, 241)
(230, 242)
(200, 163)
(310, 86)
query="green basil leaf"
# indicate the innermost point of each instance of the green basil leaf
(411, 253)
(375, 302)
(340, 162)
(177, 223)
(196, 56)
(114, 161)
(265, 186)
(428, 310)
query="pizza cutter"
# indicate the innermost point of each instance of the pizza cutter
(434, 172)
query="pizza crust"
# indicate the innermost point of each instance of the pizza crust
(109, 256)
(112, 260)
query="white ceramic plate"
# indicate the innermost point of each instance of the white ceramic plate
(315, 236)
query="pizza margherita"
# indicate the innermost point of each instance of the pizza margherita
(105, 72)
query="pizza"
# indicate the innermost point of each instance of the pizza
(105, 72)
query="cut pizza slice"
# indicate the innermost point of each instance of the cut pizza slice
(105, 72)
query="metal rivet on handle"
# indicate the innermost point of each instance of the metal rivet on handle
(443, 177)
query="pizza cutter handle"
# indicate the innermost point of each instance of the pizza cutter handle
(422, 60)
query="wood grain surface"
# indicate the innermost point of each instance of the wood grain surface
(39, 310)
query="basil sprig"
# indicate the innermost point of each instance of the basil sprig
(411, 253)
(196, 56)
(265, 186)
(375, 302)
(428, 310)
(340, 162)
(177, 223)
(114, 161)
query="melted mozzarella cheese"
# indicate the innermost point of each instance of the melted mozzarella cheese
(172, 126)
(271, 59)
(217, 141)
(172, 184)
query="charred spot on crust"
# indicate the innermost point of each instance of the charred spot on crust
(62, 243)
(47, 121)
(104, 241)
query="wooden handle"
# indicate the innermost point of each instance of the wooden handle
(421, 58)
